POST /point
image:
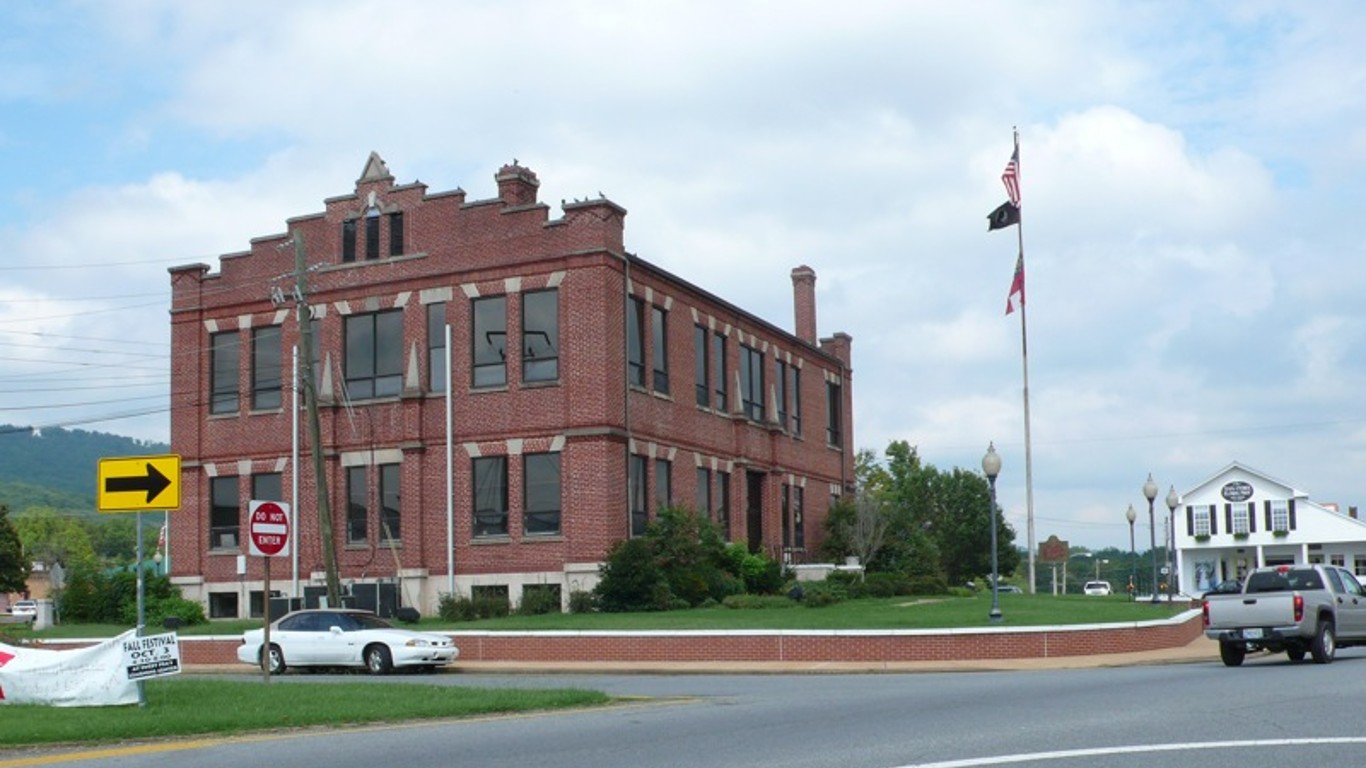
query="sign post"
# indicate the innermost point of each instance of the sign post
(268, 537)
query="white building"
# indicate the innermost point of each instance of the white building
(1240, 519)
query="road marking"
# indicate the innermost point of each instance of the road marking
(99, 754)
(1063, 754)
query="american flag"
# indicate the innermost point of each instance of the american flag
(1011, 177)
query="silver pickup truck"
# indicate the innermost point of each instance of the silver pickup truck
(1295, 609)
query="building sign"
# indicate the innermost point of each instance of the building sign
(1054, 550)
(1236, 490)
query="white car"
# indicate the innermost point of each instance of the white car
(345, 638)
(27, 608)
(1096, 588)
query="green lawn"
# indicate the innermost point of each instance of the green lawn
(182, 707)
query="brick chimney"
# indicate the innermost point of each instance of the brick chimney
(517, 185)
(804, 303)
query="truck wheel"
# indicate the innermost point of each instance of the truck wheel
(1232, 653)
(1296, 653)
(1325, 643)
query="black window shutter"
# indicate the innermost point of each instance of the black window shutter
(1228, 517)
(1267, 506)
(1190, 520)
(1252, 517)
(1213, 512)
(1291, 504)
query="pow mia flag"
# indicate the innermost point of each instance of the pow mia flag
(1006, 215)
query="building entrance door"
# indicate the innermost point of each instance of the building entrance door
(754, 510)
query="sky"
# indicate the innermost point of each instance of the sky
(1191, 175)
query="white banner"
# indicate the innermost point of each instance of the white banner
(81, 677)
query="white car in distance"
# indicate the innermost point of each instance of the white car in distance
(1096, 588)
(323, 637)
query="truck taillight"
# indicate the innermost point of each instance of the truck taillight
(1204, 612)
(1299, 608)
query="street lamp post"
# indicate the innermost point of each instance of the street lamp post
(157, 559)
(1131, 515)
(991, 465)
(1150, 492)
(1173, 560)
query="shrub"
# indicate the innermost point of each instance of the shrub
(539, 599)
(818, 594)
(887, 585)
(631, 579)
(187, 611)
(456, 608)
(752, 602)
(928, 585)
(582, 602)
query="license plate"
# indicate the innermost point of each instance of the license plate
(1252, 634)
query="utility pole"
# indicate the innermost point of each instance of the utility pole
(314, 429)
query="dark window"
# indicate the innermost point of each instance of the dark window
(718, 369)
(663, 485)
(225, 517)
(703, 498)
(723, 502)
(349, 240)
(636, 490)
(795, 406)
(390, 519)
(798, 526)
(752, 382)
(396, 234)
(266, 487)
(780, 391)
(659, 327)
(701, 378)
(635, 342)
(492, 595)
(834, 404)
(541, 336)
(357, 500)
(541, 492)
(491, 496)
(223, 605)
(223, 373)
(784, 513)
(266, 371)
(374, 355)
(436, 347)
(372, 234)
(489, 344)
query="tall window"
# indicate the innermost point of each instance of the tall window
(635, 342)
(784, 512)
(489, 345)
(1241, 515)
(663, 483)
(1203, 512)
(490, 496)
(436, 347)
(374, 354)
(718, 370)
(266, 370)
(795, 406)
(541, 493)
(390, 519)
(704, 492)
(349, 240)
(223, 373)
(225, 517)
(723, 502)
(372, 234)
(798, 525)
(752, 382)
(660, 335)
(1280, 515)
(357, 499)
(702, 381)
(636, 490)
(266, 487)
(834, 405)
(541, 336)
(396, 233)
(780, 369)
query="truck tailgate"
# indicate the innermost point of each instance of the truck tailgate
(1257, 610)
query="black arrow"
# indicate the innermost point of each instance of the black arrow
(153, 483)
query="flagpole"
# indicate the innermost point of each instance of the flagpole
(1024, 357)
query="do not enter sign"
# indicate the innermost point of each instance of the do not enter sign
(268, 528)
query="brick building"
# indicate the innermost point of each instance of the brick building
(626, 386)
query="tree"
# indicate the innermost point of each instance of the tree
(14, 565)
(860, 525)
(50, 537)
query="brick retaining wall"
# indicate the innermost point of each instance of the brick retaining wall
(787, 645)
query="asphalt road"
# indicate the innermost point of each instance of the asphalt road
(1267, 713)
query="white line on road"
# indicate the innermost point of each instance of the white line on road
(1063, 754)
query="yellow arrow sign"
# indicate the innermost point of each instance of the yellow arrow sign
(139, 483)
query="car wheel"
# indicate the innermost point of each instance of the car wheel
(277, 660)
(1232, 654)
(1325, 643)
(378, 659)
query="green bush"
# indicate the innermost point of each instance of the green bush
(456, 608)
(187, 611)
(582, 602)
(928, 585)
(887, 585)
(539, 599)
(631, 579)
(818, 594)
(752, 602)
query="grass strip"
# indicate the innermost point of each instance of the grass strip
(180, 707)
